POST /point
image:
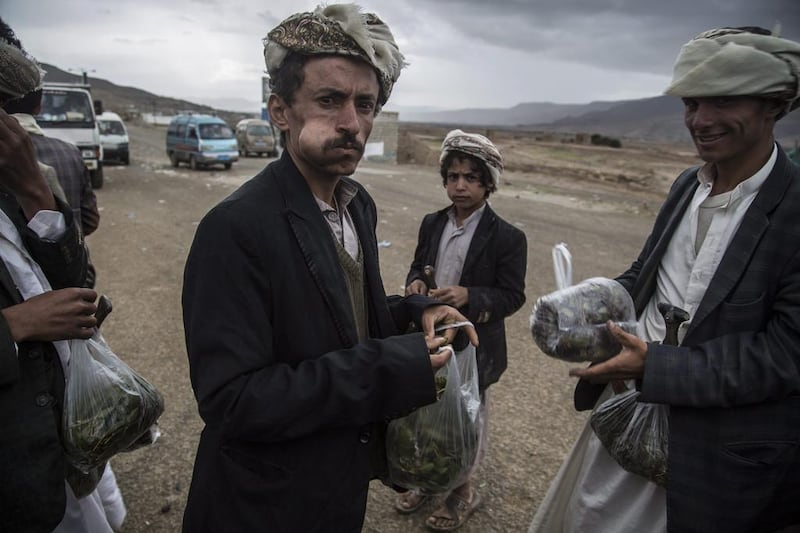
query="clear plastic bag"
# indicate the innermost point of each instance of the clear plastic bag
(635, 434)
(570, 323)
(433, 448)
(108, 407)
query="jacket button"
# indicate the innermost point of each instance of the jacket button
(34, 353)
(44, 399)
(364, 437)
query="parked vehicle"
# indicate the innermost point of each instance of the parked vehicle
(256, 136)
(113, 138)
(68, 113)
(200, 141)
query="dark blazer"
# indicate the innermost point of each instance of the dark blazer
(493, 273)
(32, 464)
(294, 407)
(733, 386)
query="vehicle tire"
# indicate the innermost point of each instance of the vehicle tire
(97, 178)
(173, 159)
(126, 159)
(193, 163)
(228, 166)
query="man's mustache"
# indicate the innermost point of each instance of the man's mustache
(347, 142)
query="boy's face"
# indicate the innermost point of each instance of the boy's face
(463, 186)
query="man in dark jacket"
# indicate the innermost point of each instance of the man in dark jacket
(297, 357)
(479, 262)
(725, 247)
(41, 248)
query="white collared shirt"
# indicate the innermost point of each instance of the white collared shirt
(692, 257)
(24, 270)
(454, 245)
(338, 217)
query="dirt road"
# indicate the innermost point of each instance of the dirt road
(149, 213)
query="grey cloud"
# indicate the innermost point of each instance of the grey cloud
(633, 35)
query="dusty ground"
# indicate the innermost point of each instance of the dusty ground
(600, 201)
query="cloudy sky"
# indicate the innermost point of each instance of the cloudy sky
(461, 53)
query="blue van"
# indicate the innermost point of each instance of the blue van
(201, 140)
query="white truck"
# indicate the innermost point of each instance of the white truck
(68, 113)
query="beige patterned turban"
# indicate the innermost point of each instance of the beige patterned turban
(475, 145)
(340, 29)
(734, 62)
(20, 74)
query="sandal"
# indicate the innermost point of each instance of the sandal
(454, 512)
(409, 501)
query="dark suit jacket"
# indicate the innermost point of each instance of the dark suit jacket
(32, 464)
(494, 274)
(292, 403)
(733, 386)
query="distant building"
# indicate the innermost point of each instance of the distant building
(382, 144)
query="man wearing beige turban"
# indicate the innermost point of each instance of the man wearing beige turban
(725, 247)
(297, 357)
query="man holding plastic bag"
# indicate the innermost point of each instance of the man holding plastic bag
(41, 249)
(724, 247)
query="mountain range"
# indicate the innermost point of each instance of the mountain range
(659, 118)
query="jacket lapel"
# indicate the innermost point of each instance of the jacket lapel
(647, 279)
(313, 236)
(479, 239)
(743, 244)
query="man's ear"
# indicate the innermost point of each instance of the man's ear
(278, 108)
(776, 108)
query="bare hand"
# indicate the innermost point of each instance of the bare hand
(627, 364)
(444, 314)
(416, 287)
(440, 357)
(455, 295)
(19, 170)
(53, 316)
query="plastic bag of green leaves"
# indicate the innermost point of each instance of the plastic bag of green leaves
(570, 323)
(107, 405)
(433, 448)
(635, 434)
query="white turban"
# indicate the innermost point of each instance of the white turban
(20, 74)
(475, 145)
(734, 62)
(340, 29)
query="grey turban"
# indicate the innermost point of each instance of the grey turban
(340, 29)
(733, 62)
(20, 74)
(475, 145)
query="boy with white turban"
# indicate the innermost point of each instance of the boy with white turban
(725, 248)
(296, 354)
(479, 261)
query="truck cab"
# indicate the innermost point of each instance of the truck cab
(68, 114)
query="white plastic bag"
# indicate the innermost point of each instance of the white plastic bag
(108, 407)
(433, 448)
(635, 434)
(570, 324)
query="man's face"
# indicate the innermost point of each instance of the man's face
(331, 116)
(463, 185)
(728, 129)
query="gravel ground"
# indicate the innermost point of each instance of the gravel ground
(149, 213)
